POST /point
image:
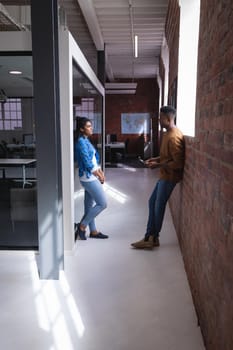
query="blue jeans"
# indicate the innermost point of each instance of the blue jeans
(157, 206)
(94, 202)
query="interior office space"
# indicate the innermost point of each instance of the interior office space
(202, 205)
(80, 91)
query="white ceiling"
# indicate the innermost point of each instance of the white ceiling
(110, 24)
(114, 23)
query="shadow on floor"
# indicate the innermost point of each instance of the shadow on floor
(127, 161)
(15, 234)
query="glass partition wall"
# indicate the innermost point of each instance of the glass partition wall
(18, 193)
(87, 102)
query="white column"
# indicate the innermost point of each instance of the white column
(66, 105)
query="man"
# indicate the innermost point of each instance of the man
(171, 164)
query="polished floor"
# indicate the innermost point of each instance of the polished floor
(110, 297)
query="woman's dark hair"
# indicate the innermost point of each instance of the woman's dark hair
(80, 124)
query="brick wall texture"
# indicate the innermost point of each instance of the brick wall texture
(202, 205)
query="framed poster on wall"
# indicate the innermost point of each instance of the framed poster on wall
(135, 123)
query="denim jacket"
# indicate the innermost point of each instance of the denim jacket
(83, 154)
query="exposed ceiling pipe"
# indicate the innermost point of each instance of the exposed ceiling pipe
(131, 23)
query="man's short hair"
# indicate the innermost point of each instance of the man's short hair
(168, 110)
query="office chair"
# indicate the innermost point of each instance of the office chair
(23, 203)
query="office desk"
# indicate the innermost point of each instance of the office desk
(17, 162)
(20, 146)
(113, 147)
(120, 145)
(21, 149)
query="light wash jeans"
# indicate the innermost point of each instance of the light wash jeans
(157, 206)
(94, 202)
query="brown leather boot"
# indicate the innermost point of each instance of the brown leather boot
(156, 242)
(144, 244)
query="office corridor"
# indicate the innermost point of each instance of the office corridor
(111, 297)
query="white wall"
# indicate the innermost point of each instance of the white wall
(15, 41)
(187, 65)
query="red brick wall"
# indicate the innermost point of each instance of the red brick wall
(146, 100)
(202, 205)
(172, 36)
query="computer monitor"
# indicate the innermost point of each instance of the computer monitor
(27, 139)
(113, 138)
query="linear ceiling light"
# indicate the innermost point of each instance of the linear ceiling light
(120, 88)
(135, 46)
(120, 92)
(15, 72)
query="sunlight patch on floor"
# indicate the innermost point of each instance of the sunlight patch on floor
(55, 307)
(126, 167)
(115, 194)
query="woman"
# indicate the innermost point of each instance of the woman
(91, 178)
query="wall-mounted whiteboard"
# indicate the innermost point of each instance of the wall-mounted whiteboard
(135, 123)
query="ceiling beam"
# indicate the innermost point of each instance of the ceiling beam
(89, 14)
(8, 22)
(92, 22)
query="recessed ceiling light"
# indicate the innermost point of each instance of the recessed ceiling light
(16, 72)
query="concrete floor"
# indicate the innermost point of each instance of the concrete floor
(110, 297)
